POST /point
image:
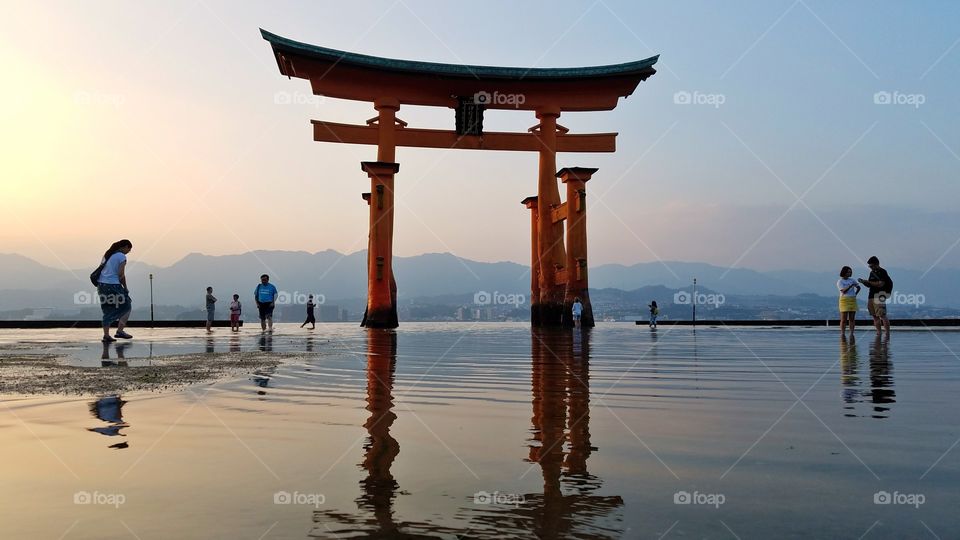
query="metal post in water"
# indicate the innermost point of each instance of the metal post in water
(151, 300)
(693, 301)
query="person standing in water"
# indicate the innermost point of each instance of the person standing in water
(266, 296)
(112, 291)
(235, 310)
(881, 286)
(849, 289)
(654, 311)
(577, 312)
(311, 306)
(211, 308)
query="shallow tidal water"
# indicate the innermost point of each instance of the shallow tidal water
(497, 431)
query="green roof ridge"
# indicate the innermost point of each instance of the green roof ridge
(456, 70)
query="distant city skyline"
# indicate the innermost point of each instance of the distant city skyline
(778, 135)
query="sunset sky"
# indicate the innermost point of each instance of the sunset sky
(165, 123)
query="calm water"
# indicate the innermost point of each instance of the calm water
(498, 431)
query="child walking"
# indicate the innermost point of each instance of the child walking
(211, 308)
(235, 310)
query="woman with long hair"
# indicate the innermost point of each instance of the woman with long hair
(112, 291)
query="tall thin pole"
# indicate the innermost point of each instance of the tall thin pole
(151, 300)
(693, 301)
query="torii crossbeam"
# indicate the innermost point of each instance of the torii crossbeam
(558, 229)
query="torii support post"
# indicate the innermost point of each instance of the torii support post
(531, 204)
(549, 232)
(381, 287)
(576, 179)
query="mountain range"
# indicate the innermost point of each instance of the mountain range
(336, 276)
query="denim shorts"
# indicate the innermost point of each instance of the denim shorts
(114, 302)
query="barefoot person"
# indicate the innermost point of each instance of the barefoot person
(849, 289)
(577, 311)
(654, 311)
(881, 286)
(211, 308)
(235, 310)
(112, 289)
(266, 297)
(311, 319)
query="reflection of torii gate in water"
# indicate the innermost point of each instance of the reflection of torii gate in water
(558, 269)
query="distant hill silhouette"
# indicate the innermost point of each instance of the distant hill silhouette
(26, 283)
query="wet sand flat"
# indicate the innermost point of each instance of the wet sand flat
(493, 431)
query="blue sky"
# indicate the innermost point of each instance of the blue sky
(173, 108)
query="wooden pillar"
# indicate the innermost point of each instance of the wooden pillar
(381, 285)
(549, 233)
(575, 178)
(531, 204)
(381, 289)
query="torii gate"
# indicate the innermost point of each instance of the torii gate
(558, 269)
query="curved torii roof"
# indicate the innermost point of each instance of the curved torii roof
(361, 77)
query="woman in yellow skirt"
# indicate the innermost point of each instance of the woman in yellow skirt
(849, 289)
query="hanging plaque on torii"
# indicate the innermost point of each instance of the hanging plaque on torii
(558, 229)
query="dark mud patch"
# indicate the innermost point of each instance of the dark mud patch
(23, 374)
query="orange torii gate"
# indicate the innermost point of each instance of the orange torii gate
(558, 268)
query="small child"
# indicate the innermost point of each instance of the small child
(211, 308)
(235, 310)
(654, 311)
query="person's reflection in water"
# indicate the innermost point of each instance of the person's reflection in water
(881, 377)
(265, 342)
(109, 409)
(310, 343)
(210, 348)
(234, 343)
(849, 378)
(120, 349)
(569, 506)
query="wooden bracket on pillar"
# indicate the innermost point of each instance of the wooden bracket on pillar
(379, 168)
(558, 213)
(366, 197)
(582, 174)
